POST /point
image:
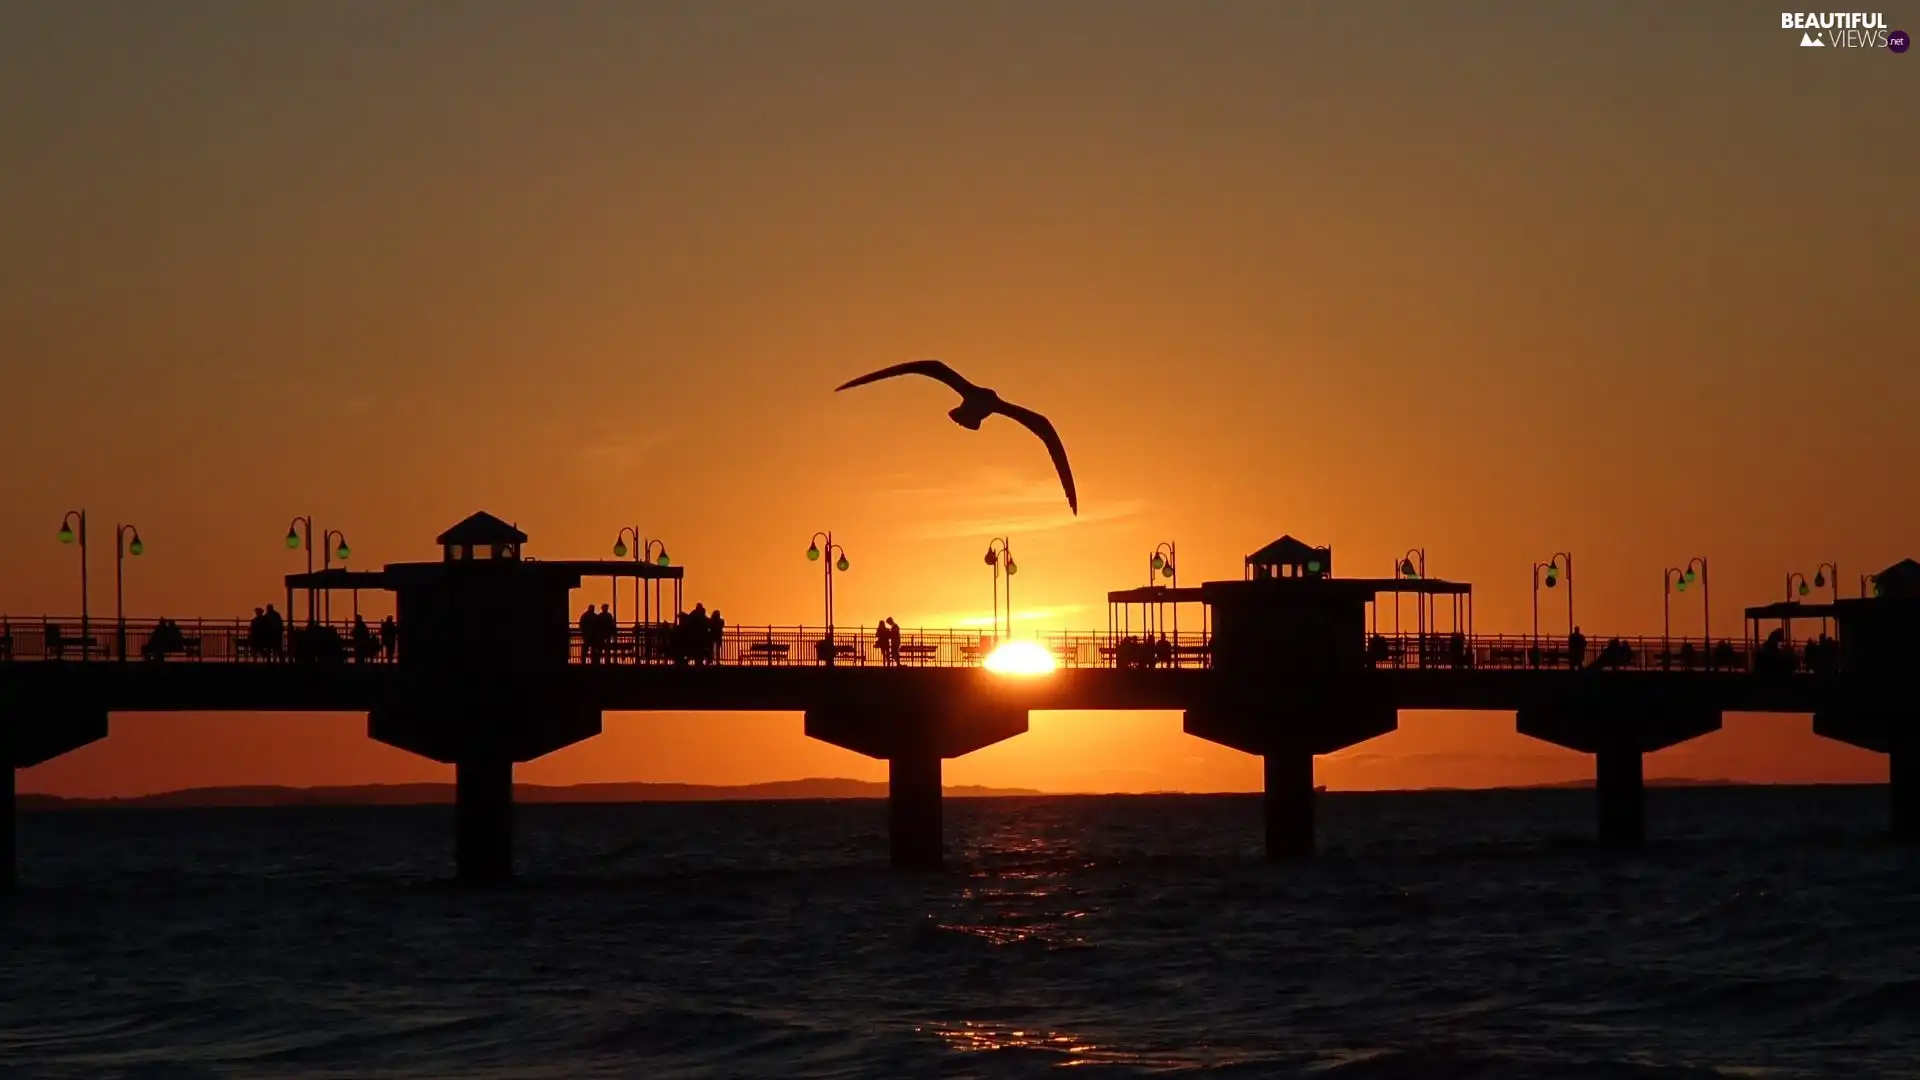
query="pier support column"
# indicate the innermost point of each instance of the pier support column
(7, 812)
(1287, 741)
(1289, 804)
(1620, 788)
(483, 819)
(1619, 735)
(914, 726)
(1903, 790)
(913, 812)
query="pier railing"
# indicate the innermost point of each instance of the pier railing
(235, 641)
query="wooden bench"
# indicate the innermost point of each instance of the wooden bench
(768, 651)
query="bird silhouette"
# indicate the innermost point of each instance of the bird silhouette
(976, 404)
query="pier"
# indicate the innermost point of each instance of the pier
(1288, 663)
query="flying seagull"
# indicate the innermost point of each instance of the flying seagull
(976, 404)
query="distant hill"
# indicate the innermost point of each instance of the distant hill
(1663, 781)
(428, 794)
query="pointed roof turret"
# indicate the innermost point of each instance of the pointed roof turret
(1901, 580)
(481, 529)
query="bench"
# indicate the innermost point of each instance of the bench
(57, 648)
(920, 652)
(189, 648)
(767, 651)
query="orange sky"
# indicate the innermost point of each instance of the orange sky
(1632, 280)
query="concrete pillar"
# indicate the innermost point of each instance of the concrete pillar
(7, 811)
(913, 811)
(483, 819)
(1621, 791)
(1903, 789)
(1289, 804)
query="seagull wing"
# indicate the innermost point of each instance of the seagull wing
(1043, 427)
(932, 369)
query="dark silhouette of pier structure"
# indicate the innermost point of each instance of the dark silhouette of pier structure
(1288, 664)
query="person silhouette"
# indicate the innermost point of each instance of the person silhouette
(1577, 649)
(276, 629)
(589, 628)
(716, 633)
(389, 638)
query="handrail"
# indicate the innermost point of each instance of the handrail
(232, 641)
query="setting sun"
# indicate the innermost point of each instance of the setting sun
(1020, 658)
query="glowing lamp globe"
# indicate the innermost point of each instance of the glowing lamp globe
(1011, 568)
(619, 549)
(1166, 571)
(1020, 658)
(342, 551)
(1690, 575)
(293, 540)
(136, 547)
(1682, 587)
(1158, 562)
(66, 534)
(843, 565)
(1819, 580)
(662, 560)
(1803, 589)
(1313, 566)
(813, 553)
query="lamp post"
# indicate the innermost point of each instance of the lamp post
(121, 549)
(1560, 563)
(67, 536)
(1675, 579)
(1867, 580)
(329, 552)
(1827, 576)
(999, 555)
(655, 551)
(836, 559)
(620, 551)
(643, 550)
(300, 535)
(1164, 564)
(1412, 565)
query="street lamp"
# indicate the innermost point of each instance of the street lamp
(1675, 580)
(836, 559)
(330, 551)
(121, 549)
(1164, 564)
(1000, 554)
(300, 535)
(643, 550)
(1869, 580)
(1560, 563)
(67, 536)
(1412, 565)
(1827, 576)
